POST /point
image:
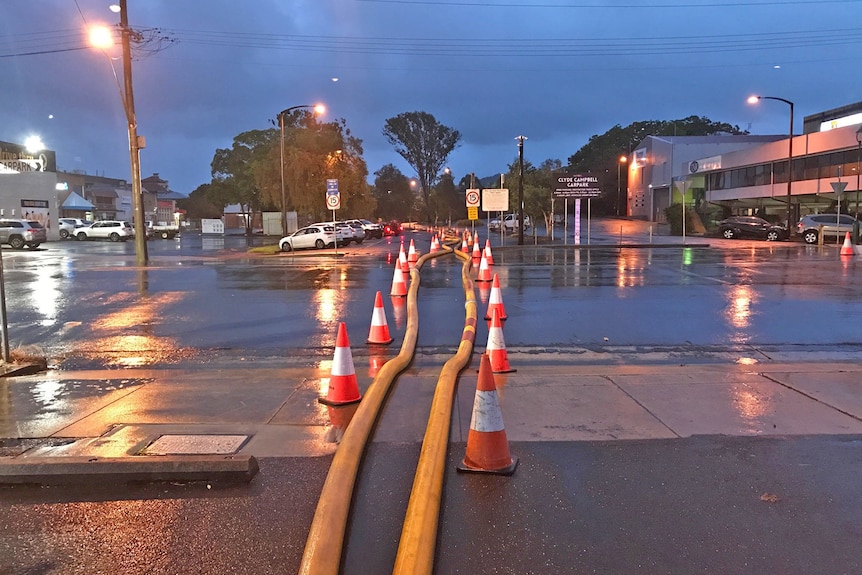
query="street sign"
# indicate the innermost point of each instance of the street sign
(495, 200)
(333, 197)
(473, 213)
(473, 198)
(838, 187)
(568, 185)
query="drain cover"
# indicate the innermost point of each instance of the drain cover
(195, 445)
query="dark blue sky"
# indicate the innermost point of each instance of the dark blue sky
(557, 72)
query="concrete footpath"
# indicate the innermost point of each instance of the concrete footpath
(229, 412)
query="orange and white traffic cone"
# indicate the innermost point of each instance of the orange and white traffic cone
(477, 251)
(488, 255)
(487, 445)
(475, 237)
(484, 270)
(464, 247)
(434, 246)
(402, 260)
(495, 301)
(342, 381)
(847, 248)
(412, 256)
(399, 284)
(496, 348)
(379, 332)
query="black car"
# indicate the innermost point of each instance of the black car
(752, 227)
(393, 228)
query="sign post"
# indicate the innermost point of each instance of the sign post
(333, 202)
(496, 200)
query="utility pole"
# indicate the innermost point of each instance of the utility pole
(521, 189)
(134, 144)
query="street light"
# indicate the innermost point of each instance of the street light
(754, 100)
(318, 109)
(520, 190)
(858, 165)
(622, 160)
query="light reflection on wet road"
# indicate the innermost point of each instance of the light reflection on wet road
(83, 302)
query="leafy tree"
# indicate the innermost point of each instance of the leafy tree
(392, 191)
(199, 205)
(538, 185)
(236, 171)
(602, 153)
(425, 144)
(446, 202)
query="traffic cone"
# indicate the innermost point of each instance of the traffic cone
(477, 251)
(487, 445)
(464, 247)
(488, 255)
(434, 246)
(484, 270)
(412, 256)
(379, 332)
(343, 388)
(475, 237)
(402, 260)
(495, 301)
(847, 248)
(399, 284)
(496, 348)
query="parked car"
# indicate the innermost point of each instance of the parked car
(751, 227)
(371, 229)
(114, 230)
(358, 232)
(316, 236)
(20, 233)
(510, 223)
(830, 225)
(69, 227)
(393, 228)
(343, 232)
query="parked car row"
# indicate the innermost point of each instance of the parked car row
(324, 234)
(810, 228)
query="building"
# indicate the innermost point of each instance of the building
(722, 175)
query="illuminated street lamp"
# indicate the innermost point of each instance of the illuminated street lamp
(622, 160)
(318, 109)
(101, 37)
(754, 100)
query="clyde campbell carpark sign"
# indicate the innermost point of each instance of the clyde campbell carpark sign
(568, 185)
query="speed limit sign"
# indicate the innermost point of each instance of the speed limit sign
(472, 198)
(333, 201)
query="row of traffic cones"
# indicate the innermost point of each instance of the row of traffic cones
(487, 448)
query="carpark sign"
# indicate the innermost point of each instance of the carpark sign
(568, 185)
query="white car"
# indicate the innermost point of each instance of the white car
(69, 227)
(315, 236)
(114, 230)
(510, 223)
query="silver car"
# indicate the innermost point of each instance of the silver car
(20, 233)
(114, 230)
(316, 236)
(828, 225)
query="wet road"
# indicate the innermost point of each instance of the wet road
(693, 505)
(85, 303)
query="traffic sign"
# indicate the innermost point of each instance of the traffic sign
(333, 201)
(838, 187)
(473, 213)
(473, 198)
(331, 186)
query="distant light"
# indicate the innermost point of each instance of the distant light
(335, 79)
(776, 67)
(319, 109)
(50, 116)
(34, 144)
(115, 8)
(753, 99)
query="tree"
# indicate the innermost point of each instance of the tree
(392, 192)
(237, 171)
(425, 144)
(602, 153)
(446, 202)
(199, 205)
(538, 186)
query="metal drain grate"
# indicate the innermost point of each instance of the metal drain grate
(195, 445)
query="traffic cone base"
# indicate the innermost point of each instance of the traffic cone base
(847, 248)
(343, 388)
(379, 332)
(487, 446)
